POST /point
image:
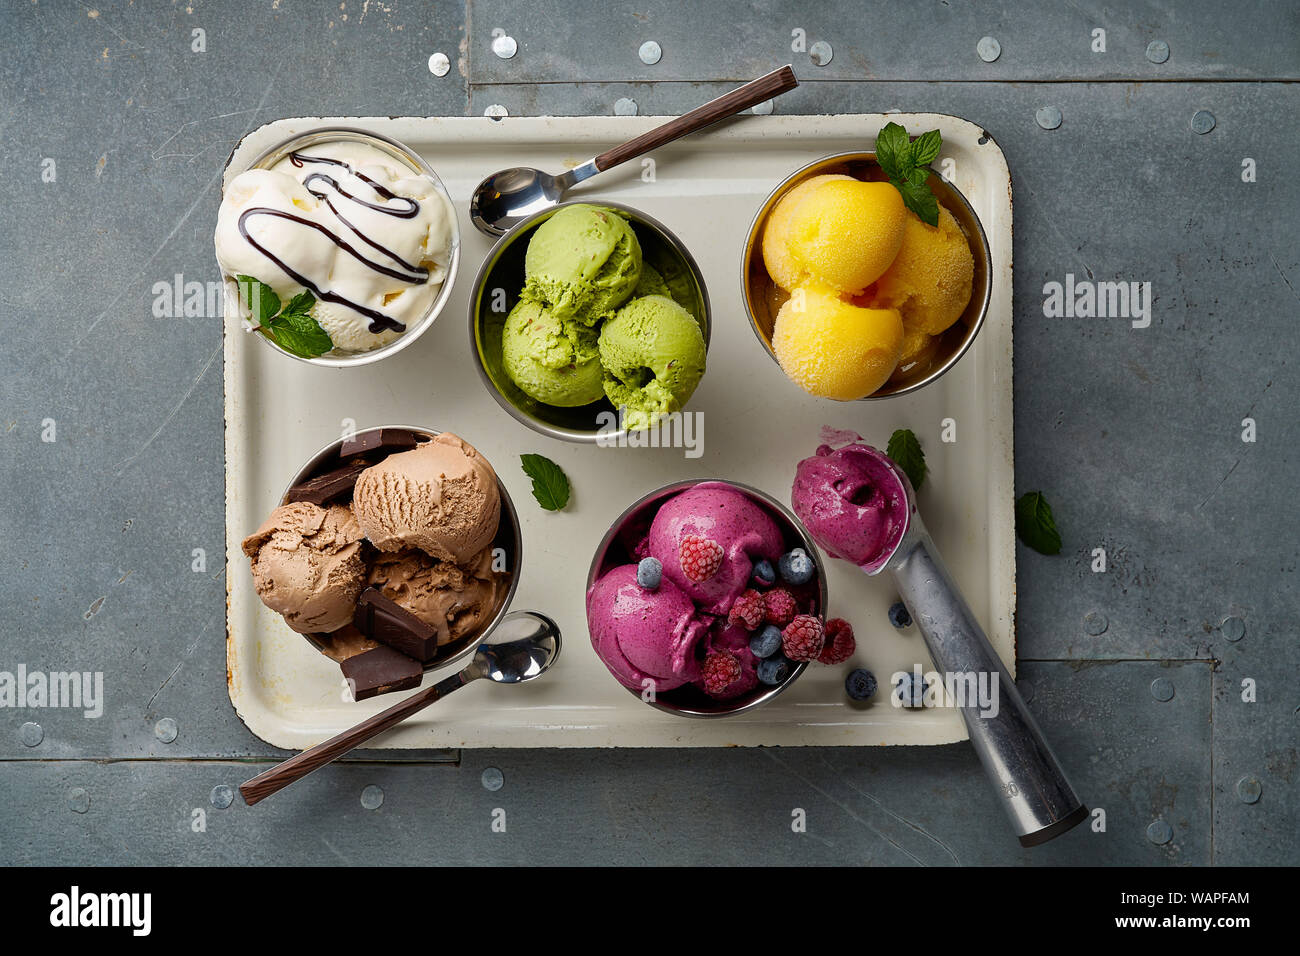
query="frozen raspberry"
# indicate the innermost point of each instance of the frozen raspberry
(840, 644)
(748, 611)
(700, 557)
(803, 638)
(721, 670)
(780, 607)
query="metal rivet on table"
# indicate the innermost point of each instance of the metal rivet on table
(1234, 628)
(1026, 690)
(1095, 623)
(1249, 789)
(761, 109)
(1202, 121)
(496, 111)
(372, 797)
(989, 49)
(221, 796)
(624, 107)
(493, 779)
(31, 734)
(650, 52)
(1160, 833)
(1048, 117)
(166, 730)
(439, 65)
(78, 800)
(1157, 51)
(820, 53)
(504, 46)
(1162, 689)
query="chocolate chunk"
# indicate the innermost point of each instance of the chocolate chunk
(380, 671)
(346, 642)
(325, 488)
(380, 439)
(382, 619)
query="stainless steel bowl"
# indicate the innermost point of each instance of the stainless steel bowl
(415, 162)
(508, 537)
(496, 291)
(763, 298)
(690, 701)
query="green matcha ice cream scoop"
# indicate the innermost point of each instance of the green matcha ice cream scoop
(653, 353)
(553, 361)
(584, 262)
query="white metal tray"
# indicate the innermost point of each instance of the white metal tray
(706, 189)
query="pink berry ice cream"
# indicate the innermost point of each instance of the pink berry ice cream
(853, 501)
(719, 514)
(688, 585)
(642, 634)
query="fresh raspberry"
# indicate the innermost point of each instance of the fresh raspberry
(803, 638)
(840, 644)
(780, 607)
(721, 670)
(700, 557)
(748, 611)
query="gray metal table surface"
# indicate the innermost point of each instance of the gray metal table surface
(1167, 682)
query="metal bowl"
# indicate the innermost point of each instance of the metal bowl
(508, 538)
(763, 298)
(689, 701)
(496, 292)
(415, 162)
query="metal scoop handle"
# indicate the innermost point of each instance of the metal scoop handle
(1035, 793)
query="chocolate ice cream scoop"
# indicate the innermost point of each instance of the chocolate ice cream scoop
(441, 497)
(307, 565)
(456, 600)
(859, 506)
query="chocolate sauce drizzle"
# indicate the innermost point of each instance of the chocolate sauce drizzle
(407, 208)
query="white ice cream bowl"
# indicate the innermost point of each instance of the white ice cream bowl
(405, 159)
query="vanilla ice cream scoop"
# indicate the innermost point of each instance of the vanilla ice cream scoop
(370, 238)
(441, 497)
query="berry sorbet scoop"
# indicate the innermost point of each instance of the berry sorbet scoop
(859, 506)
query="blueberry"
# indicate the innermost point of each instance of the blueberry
(861, 684)
(909, 691)
(766, 641)
(898, 615)
(650, 573)
(796, 567)
(763, 574)
(774, 670)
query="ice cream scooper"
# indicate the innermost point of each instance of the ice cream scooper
(859, 506)
(512, 195)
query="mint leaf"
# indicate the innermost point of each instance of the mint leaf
(904, 450)
(550, 484)
(1035, 525)
(300, 304)
(918, 198)
(925, 149)
(892, 151)
(299, 334)
(261, 298)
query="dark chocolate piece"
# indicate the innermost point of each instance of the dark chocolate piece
(382, 619)
(325, 488)
(380, 671)
(380, 439)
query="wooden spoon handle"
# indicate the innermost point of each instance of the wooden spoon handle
(763, 88)
(299, 765)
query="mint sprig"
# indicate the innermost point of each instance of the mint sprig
(292, 328)
(906, 162)
(550, 483)
(1035, 525)
(904, 450)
